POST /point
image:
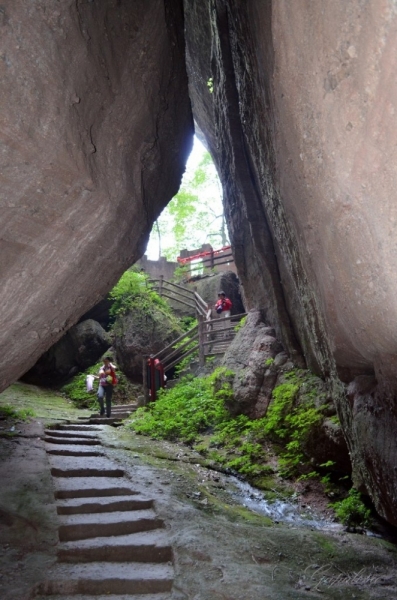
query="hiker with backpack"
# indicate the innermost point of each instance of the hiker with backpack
(107, 381)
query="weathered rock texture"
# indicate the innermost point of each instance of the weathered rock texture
(297, 101)
(96, 127)
(77, 350)
(253, 382)
(301, 125)
(141, 332)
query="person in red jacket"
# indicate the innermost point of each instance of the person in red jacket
(223, 305)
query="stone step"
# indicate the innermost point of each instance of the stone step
(81, 527)
(91, 487)
(67, 434)
(80, 466)
(107, 578)
(80, 427)
(109, 597)
(72, 450)
(149, 546)
(75, 506)
(74, 441)
(105, 420)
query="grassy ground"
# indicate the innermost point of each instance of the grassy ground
(43, 404)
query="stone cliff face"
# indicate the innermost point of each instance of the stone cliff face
(297, 101)
(96, 128)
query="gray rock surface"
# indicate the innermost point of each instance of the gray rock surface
(79, 349)
(297, 103)
(253, 382)
(138, 334)
(96, 128)
(300, 124)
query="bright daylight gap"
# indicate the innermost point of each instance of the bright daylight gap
(195, 215)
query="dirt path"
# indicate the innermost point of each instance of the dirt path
(74, 546)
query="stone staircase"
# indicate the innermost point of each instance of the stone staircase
(119, 412)
(111, 542)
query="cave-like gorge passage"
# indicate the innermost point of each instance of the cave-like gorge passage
(297, 102)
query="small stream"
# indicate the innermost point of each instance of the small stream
(279, 510)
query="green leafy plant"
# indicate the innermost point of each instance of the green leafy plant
(240, 324)
(76, 389)
(181, 273)
(194, 216)
(9, 412)
(182, 412)
(194, 411)
(269, 362)
(292, 416)
(132, 291)
(351, 511)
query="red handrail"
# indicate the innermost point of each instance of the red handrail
(188, 259)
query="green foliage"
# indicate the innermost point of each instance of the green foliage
(269, 362)
(283, 397)
(181, 272)
(195, 215)
(182, 412)
(9, 412)
(328, 464)
(351, 511)
(292, 416)
(134, 292)
(221, 380)
(210, 85)
(187, 323)
(76, 389)
(194, 411)
(240, 324)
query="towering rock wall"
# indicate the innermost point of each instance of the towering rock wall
(297, 102)
(96, 126)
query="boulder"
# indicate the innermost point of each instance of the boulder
(139, 333)
(250, 356)
(79, 349)
(96, 129)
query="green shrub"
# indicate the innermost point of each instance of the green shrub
(181, 413)
(194, 411)
(292, 417)
(9, 412)
(351, 511)
(76, 389)
(133, 291)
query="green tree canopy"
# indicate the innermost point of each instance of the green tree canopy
(194, 216)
